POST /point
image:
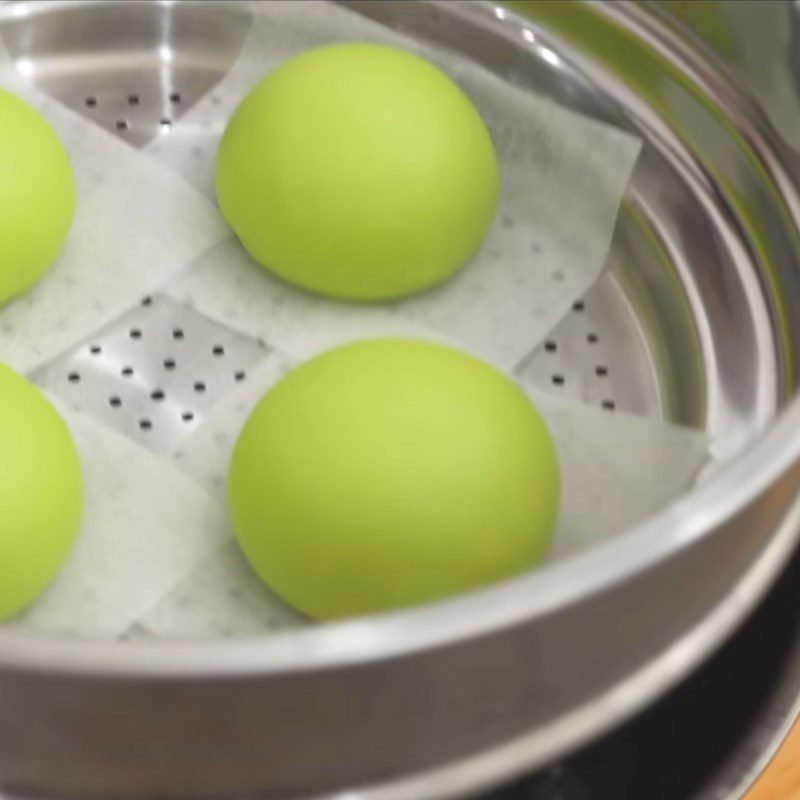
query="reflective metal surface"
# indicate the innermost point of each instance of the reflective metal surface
(155, 373)
(696, 320)
(706, 738)
(133, 73)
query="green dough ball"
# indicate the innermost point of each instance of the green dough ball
(40, 492)
(358, 171)
(388, 473)
(37, 196)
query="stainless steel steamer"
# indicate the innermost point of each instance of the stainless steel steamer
(697, 314)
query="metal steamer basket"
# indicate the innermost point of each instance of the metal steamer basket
(697, 315)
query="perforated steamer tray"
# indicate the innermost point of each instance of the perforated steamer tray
(691, 322)
(598, 354)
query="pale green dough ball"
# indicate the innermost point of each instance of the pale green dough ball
(388, 473)
(41, 494)
(358, 171)
(37, 196)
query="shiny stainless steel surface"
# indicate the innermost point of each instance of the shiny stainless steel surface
(155, 373)
(696, 319)
(758, 42)
(133, 73)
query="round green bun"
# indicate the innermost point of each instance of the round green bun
(41, 495)
(388, 473)
(358, 171)
(37, 196)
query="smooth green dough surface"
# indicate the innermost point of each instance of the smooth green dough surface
(358, 171)
(41, 495)
(388, 473)
(37, 196)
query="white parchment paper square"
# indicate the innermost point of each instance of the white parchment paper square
(146, 526)
(562, 178)
(136, 226)
(616, 471)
